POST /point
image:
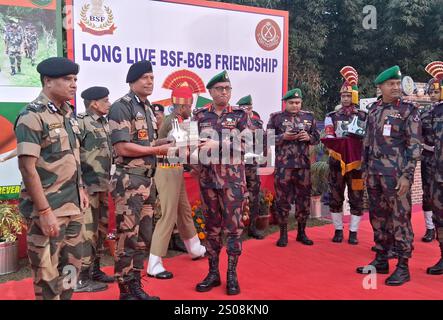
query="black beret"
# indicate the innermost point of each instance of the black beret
(158, 108)
(56, 67)
(95, 93)
(137, 70)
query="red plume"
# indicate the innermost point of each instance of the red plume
(435, 69)
(350, 75)
(177, 78)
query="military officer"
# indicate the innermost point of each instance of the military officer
(251, 172)
(171, 189)
(159, 112)
(52, 197)
(391, 148)
(222, 182)
(14, 45)
(133, 131)
(96, 159)
(295, 130)
(31, 42)
(352, 179)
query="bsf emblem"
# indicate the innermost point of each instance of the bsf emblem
(97, 19)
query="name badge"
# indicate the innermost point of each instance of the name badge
(387, 130)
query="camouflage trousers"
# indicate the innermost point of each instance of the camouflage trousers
(426, 180)
(15, 57)
(437, 209)
(95, 228)
(32, 50)
(292, 185)
(390, 216)
(223, 212)
(253, 185)
(55, 262)
(134, 214)
(337, 183)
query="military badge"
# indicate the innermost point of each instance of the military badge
(142, 134)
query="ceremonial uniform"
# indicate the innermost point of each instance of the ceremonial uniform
(352, 177)
(132, 120)
(50, 134)
(222, 188)
(392, 146)
(96, 159)
(292, 179)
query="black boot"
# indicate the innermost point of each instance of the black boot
(136, 288)
(437, 269)
(338, 236)
(380, 263)
(176, 243)
(283, 240)
(13, 71)
(429, 235)
(86, 284)
(301, 235)
(19, 68)
(98, 275)
(253, 232)
(212, 279)
(400, 274)
(353, 238)
(232, 287)
(125, 291)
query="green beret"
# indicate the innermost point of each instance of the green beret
(221, 77)
(294, 93)
(56, 67)
(245, 101)
(95, 93)
(138, 69)
(391, 73)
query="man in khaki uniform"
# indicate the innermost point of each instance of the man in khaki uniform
(95, 156)
(52, 196)
(174, 201)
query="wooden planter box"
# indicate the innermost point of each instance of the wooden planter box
(8, 257)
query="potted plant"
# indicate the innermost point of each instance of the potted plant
(265, 203)
(319, 177)
(11, 225)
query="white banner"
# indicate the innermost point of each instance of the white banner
(200, 36)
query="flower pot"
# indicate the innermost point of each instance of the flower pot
(316, 206)
(8, 257)
(262, 222)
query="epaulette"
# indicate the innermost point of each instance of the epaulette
(126, 98)
(275, 114)
(331, 113)
(35, 106)
(82, 115)
(238, 108)
(200, 110)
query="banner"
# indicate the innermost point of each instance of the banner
(30, 31)
(202, 37)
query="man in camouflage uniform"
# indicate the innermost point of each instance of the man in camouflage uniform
(353, 178)
(433, 134)
(171, 188)
(14, 45)
(95, 156)
(251, 172)
(52, 196)
(31, 43)
(391, 148)
(133, 131)
(295, 130)
(222, 183)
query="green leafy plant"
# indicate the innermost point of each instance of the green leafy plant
(11, 223)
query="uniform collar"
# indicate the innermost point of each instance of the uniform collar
(137, 99)
(292, 114)
(94, 115)
(228, 109)
(395, 103)
(65, 109)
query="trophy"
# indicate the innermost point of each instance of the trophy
(179, 135)
(342, 128)
(356, 128)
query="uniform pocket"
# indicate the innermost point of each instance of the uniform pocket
(59, 140)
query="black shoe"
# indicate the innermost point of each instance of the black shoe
(19, 69)
(13, 72)
(176, 243)
(283, 240)
(380, 263)
(125, 291)
(232, 286)
(353, 238)
(135, 286)
(212, 279)
(254, 233)
(429, 235)
(338, 236)
(86, 284)
(99, 275)
(162, 275)
(400, 275)
(301, 235)
(436, 269)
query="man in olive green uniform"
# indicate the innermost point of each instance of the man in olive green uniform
(133, 131)
(391, 148)
(52, 196)
(95, 155)
(171, 189)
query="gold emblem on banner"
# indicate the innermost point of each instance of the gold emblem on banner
(97, 19)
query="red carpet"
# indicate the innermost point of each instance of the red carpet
(323, 271)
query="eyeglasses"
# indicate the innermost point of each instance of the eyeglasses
(221, 89)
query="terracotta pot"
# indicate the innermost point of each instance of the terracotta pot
(111, 245)
(262, 222)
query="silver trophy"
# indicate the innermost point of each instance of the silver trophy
(356, 128)
(179, 135)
